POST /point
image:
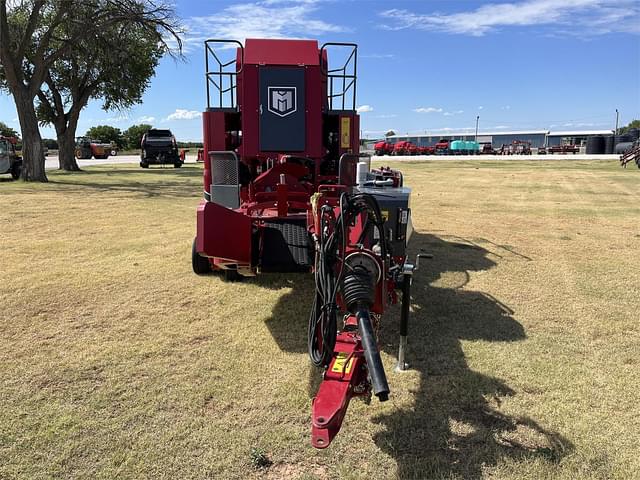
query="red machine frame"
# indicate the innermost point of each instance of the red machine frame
(285, 189)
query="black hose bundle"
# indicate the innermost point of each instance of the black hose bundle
(329, 269)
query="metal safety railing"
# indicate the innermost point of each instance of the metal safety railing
(342, 80)
(222, 79)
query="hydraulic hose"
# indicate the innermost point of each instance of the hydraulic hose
(372, 355)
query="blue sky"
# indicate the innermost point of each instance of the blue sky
(424, 66)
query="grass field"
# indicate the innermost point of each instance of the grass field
(116, 361)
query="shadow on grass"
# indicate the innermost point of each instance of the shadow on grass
(153, 182)
(454, 427)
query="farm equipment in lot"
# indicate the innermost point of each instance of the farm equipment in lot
(87, 148)
(563, 149)
(404, 148)
(10, 162)
(383, 148)
(517, 147)
(285, 190)
(631, 155)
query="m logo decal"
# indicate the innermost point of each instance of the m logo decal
(282, 101)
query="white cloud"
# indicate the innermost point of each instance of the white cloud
(386, 115)
(427, 110)
(364, 109)
(480, 107)
(16, 120)
(506, 107)
(263, 19)
(183, 114)
(599, 16)
(450, 114)
(146, 119)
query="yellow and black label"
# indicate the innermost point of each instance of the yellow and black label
(339, 363)
(345, 132)
(385, 215)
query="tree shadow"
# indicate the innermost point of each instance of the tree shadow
(182, 182)
(453, 427)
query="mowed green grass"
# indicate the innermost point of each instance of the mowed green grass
(116, 361)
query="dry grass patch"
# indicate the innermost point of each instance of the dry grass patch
(117, 361)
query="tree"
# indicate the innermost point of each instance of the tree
(7, 131)
(133, 135)
(115, 66)
(632, 124)
(39, 37)
(106, 134)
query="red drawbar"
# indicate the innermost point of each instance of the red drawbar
(223, 233)
(345, 378)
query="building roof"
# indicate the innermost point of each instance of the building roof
(467, 133)
(580, 133)
(574, 133)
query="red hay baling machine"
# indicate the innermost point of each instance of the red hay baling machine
(285, 190)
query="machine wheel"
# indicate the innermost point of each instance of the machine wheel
(177, 165)
(232, 276)
(199, 263)
(144, 164)
(113, 153)
(15, 171)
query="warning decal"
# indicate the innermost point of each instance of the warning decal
(339, 363)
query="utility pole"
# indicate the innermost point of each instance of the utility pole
(617, 115)
(477, 120)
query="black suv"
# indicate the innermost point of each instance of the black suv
(159, 148)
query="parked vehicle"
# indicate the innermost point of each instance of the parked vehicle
(442, 147)
(159, 147)
(564, 149)
(9, 160)
(87, 148)
(487, 149)
(383, 148)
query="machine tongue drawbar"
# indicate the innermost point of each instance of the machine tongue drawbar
(286, 190)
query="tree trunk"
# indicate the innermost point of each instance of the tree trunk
(66, 149)
(32, 150)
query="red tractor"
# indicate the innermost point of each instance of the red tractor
(285, 190)
(383, 148)
(430, 150)
(442, 147)
(404, 148)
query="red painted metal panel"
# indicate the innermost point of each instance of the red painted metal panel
(314, 101)
(280, 52)
(250, 111)
(223, 233)
(213, 127)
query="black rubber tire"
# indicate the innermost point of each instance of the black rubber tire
(232, 276)
(144, 164)
(177, 165)
(114, 153)
(200, 264)
(16, 169)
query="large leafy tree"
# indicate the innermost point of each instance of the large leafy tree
(7, 131)
(106, 134)
(632, 124)
(40, 38)
(115, 66)
(133, 135)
